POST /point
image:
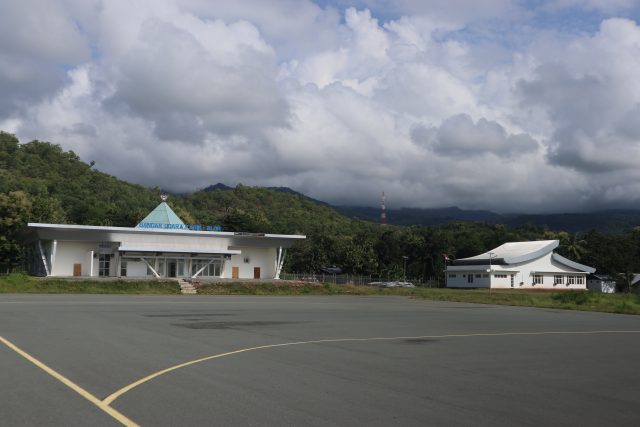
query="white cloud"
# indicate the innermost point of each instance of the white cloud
(336, 101)
(460, 137)
(589, 93)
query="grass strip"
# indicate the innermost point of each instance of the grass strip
(19, 283)
(569, 300)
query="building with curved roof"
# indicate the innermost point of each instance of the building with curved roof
(519, 265)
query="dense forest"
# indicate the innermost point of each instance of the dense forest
(40, 182)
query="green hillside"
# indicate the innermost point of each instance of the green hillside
(39, 182)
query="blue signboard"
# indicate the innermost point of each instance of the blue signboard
(194, 227)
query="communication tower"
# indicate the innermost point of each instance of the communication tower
(383, 211)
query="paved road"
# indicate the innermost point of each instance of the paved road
(446, 364)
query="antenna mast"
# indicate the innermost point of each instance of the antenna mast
(383, 211)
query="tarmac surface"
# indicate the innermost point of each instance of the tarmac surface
(73, 360)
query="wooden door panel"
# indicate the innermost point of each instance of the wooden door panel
(256, 272)
(235, 272)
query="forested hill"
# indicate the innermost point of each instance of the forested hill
(52, 185)
(47, 184)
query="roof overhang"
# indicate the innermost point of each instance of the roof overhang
(173, 249)
(572, 264)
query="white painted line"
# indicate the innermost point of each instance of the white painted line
(73, 386)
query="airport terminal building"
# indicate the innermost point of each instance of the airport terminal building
(161, 245)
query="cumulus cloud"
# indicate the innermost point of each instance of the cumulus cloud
(587, 91)
(37, 41)
(459, 136)
(340, 100)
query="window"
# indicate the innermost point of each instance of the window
(579, 280)
(211, 270)
(180, 267)
(485, 275)
(558, 279)
(214, 269)
(452, 276)
(571, 280)
(500, 276)
(537, 279)
(123, 268)
(478, 276)
(470, 278)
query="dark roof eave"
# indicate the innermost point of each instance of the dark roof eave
(494, 261)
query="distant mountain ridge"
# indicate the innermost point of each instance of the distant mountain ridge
(417, 216)
(608, 221)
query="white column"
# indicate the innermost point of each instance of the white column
(118, 263)
(44, 258)
(281, 254)
(54, 248)
(153, 270)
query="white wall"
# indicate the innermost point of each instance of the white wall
(136, 268)
(258, 257)
(70, 253)
(461, 279)
(79, 251)
(186, 242)
(523, 275)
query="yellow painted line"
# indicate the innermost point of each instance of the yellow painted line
(73, 386)
(109, 399)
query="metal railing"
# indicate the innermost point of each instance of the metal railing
(357, 280)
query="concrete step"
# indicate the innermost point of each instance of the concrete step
(187, 288)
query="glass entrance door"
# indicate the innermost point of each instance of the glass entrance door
(104, 264)
(171, 268)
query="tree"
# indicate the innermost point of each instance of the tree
(571, 245)
(15, 209)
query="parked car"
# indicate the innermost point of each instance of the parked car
(405, 285)
(388, 284)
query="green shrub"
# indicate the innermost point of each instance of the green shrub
(572, 297)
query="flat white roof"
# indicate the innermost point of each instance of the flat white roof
(134, 230)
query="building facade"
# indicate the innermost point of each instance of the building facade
(161, 245)
(519, 265)
(601, 283)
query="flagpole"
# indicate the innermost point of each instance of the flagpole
(446, 272)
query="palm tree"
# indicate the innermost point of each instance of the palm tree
(572, 245)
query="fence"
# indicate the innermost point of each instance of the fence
(351, 279)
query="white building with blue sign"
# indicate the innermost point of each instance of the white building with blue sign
(161, 245)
